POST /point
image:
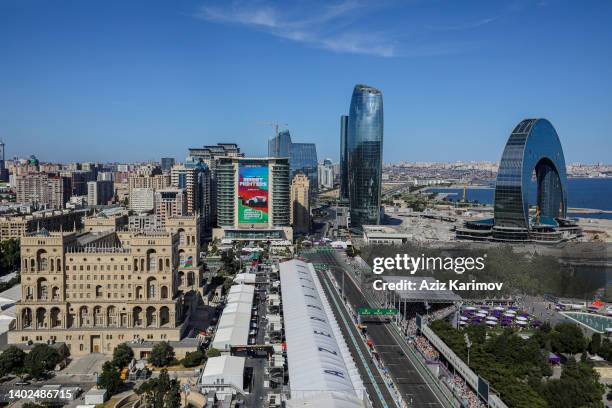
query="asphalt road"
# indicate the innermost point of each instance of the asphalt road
(410, 382)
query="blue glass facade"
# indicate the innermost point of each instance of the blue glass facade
(344, 190)
(365, 149)
(303, 158)
(532, 147)
(280, 146)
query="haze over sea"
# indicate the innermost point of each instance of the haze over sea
(595, 193)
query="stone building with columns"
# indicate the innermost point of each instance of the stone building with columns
(95, 290)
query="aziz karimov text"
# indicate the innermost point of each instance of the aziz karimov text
(453, 284)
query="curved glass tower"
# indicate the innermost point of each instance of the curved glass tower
(364, 151)
(532, 146)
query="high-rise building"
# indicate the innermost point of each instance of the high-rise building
(142, 199)
(99, 192)
(142, 187)
(42, 189)
(95, 290)
(167, 163)
(253, 198)
(365, 153)
(210, 153)
(300, 204)
(344, 190)
(280, 145)
(80, 178)
(194, 177)
(326, 174)
(302, 157)
(106, 176)
(209, 156)
(533, 147)
(4, 174)
(170, 202)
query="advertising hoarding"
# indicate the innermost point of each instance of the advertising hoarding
(252, 194)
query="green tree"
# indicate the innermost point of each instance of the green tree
(212, 352)
(162, 354)
(9, 255)
(160, 392)
(11, 361)
(122, 355)
(595, 343)
(568, 338)
(192, 359)
(578, 387)
(40, 360)
(110, 379)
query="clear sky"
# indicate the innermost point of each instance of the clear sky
(136, 80)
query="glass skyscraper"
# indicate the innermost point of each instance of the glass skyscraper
(532, 147)
(365, 150)
(280, 146)
(302, 157)
(344, 190)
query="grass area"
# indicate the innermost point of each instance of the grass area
(177, 367)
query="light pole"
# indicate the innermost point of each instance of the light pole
(468, 344)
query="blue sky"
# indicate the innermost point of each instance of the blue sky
(137, 80)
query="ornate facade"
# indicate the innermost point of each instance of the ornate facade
(94, 290)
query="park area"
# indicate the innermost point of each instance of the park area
(519, 367)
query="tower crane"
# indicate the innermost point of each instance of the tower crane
(276, 126)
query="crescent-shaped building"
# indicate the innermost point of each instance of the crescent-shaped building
(533, 148)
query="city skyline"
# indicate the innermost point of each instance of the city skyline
(459, 75)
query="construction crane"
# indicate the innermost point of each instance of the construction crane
(276, 126)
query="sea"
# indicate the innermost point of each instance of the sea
(593, 193)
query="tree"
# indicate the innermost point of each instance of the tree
(578, 387)
(212, 352)
(162, 354)
(9, 255)
(122, 355)
(11, 360)
(110, 379)
(568, 338)
(41, 359)
(595, 343)
(161, 392)
(193, 359)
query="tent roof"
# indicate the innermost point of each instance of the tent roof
(319, 358)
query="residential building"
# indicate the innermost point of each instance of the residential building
(194, 177)
(170, 202)
(42, 189)
(167, 163)
(142, 199)
(209, 156)
(326, 174)
(300, 204)
(99, 192)
(253, 198)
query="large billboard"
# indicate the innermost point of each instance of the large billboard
(253, 194)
